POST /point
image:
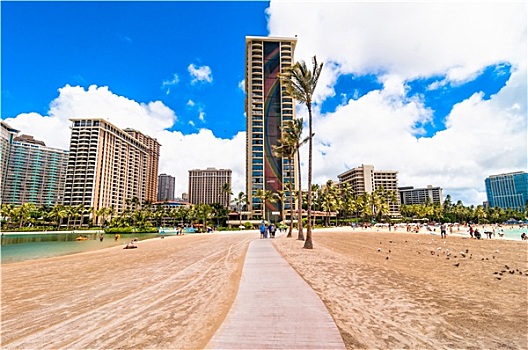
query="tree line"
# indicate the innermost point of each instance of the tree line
(29, 216)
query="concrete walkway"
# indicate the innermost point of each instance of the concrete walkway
(275, 308)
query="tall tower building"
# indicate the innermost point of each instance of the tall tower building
(364, 179)
(207, 186)
(508, 190)
(166, 187)
(106, 166)
(6, 138)
(35, 173)
(267, 108)
(153, 153)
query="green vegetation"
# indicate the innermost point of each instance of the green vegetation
(300, 84)
(125, 230)
(136, 217)
(288, 147)
(457, 212)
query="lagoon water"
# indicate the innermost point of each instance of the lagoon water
(28, 246)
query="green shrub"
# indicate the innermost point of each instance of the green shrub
(29, 229)
(248, 225)
(125, 230)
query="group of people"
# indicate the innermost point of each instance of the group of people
(267, 230)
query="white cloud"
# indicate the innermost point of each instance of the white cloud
(178, 152)
(190, 103)
(168, 83)
(95, 102)
(242, 85)
(181, 153)
(455, 40)
(191, 123)
(200, 74)
(201, 115)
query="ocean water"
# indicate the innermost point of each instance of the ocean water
(29, 246)
(511, 234)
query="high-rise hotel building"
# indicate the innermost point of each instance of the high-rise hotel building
(364, 179)
(108, 166)
(267, 107)
(207, 186)
(7, 134)
(508, 190)
(35, 173)
(166, 185)
(153, 153)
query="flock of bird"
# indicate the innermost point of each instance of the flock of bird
(463, 254)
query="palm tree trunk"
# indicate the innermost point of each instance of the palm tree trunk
(300, 235)
(291, 207)
(308, 243)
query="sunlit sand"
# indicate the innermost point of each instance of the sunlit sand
(384, 290)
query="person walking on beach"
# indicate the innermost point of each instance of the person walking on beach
(443, 231)
(271, 229)
(101, 237)
(262, 229)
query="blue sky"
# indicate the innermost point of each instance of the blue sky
(131, 47)
(437, 92)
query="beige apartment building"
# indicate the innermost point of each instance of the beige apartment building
(153, 153)
(108, 166)
(207, 186)
(410, 195)
(365, 178)
(267, 107)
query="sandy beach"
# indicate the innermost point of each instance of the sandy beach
(169, 293)
(384, 290)
(403, 290)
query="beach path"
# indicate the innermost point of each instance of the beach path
(275, 308)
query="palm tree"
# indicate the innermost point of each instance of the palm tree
(81, 211)
(480, 214)
(280, 196)
(93, 213)
(348, 203)
(300, 83)
(292, 137)
(240, 201)
(290, 187)
(226, 189)
(58, 213)
(316, 201)
(219, 213)
(23, 212)
(286, 147)
(8, 212)
(265, 196)
(330, 200)
(203, 212)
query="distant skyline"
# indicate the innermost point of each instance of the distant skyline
(436, 91)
